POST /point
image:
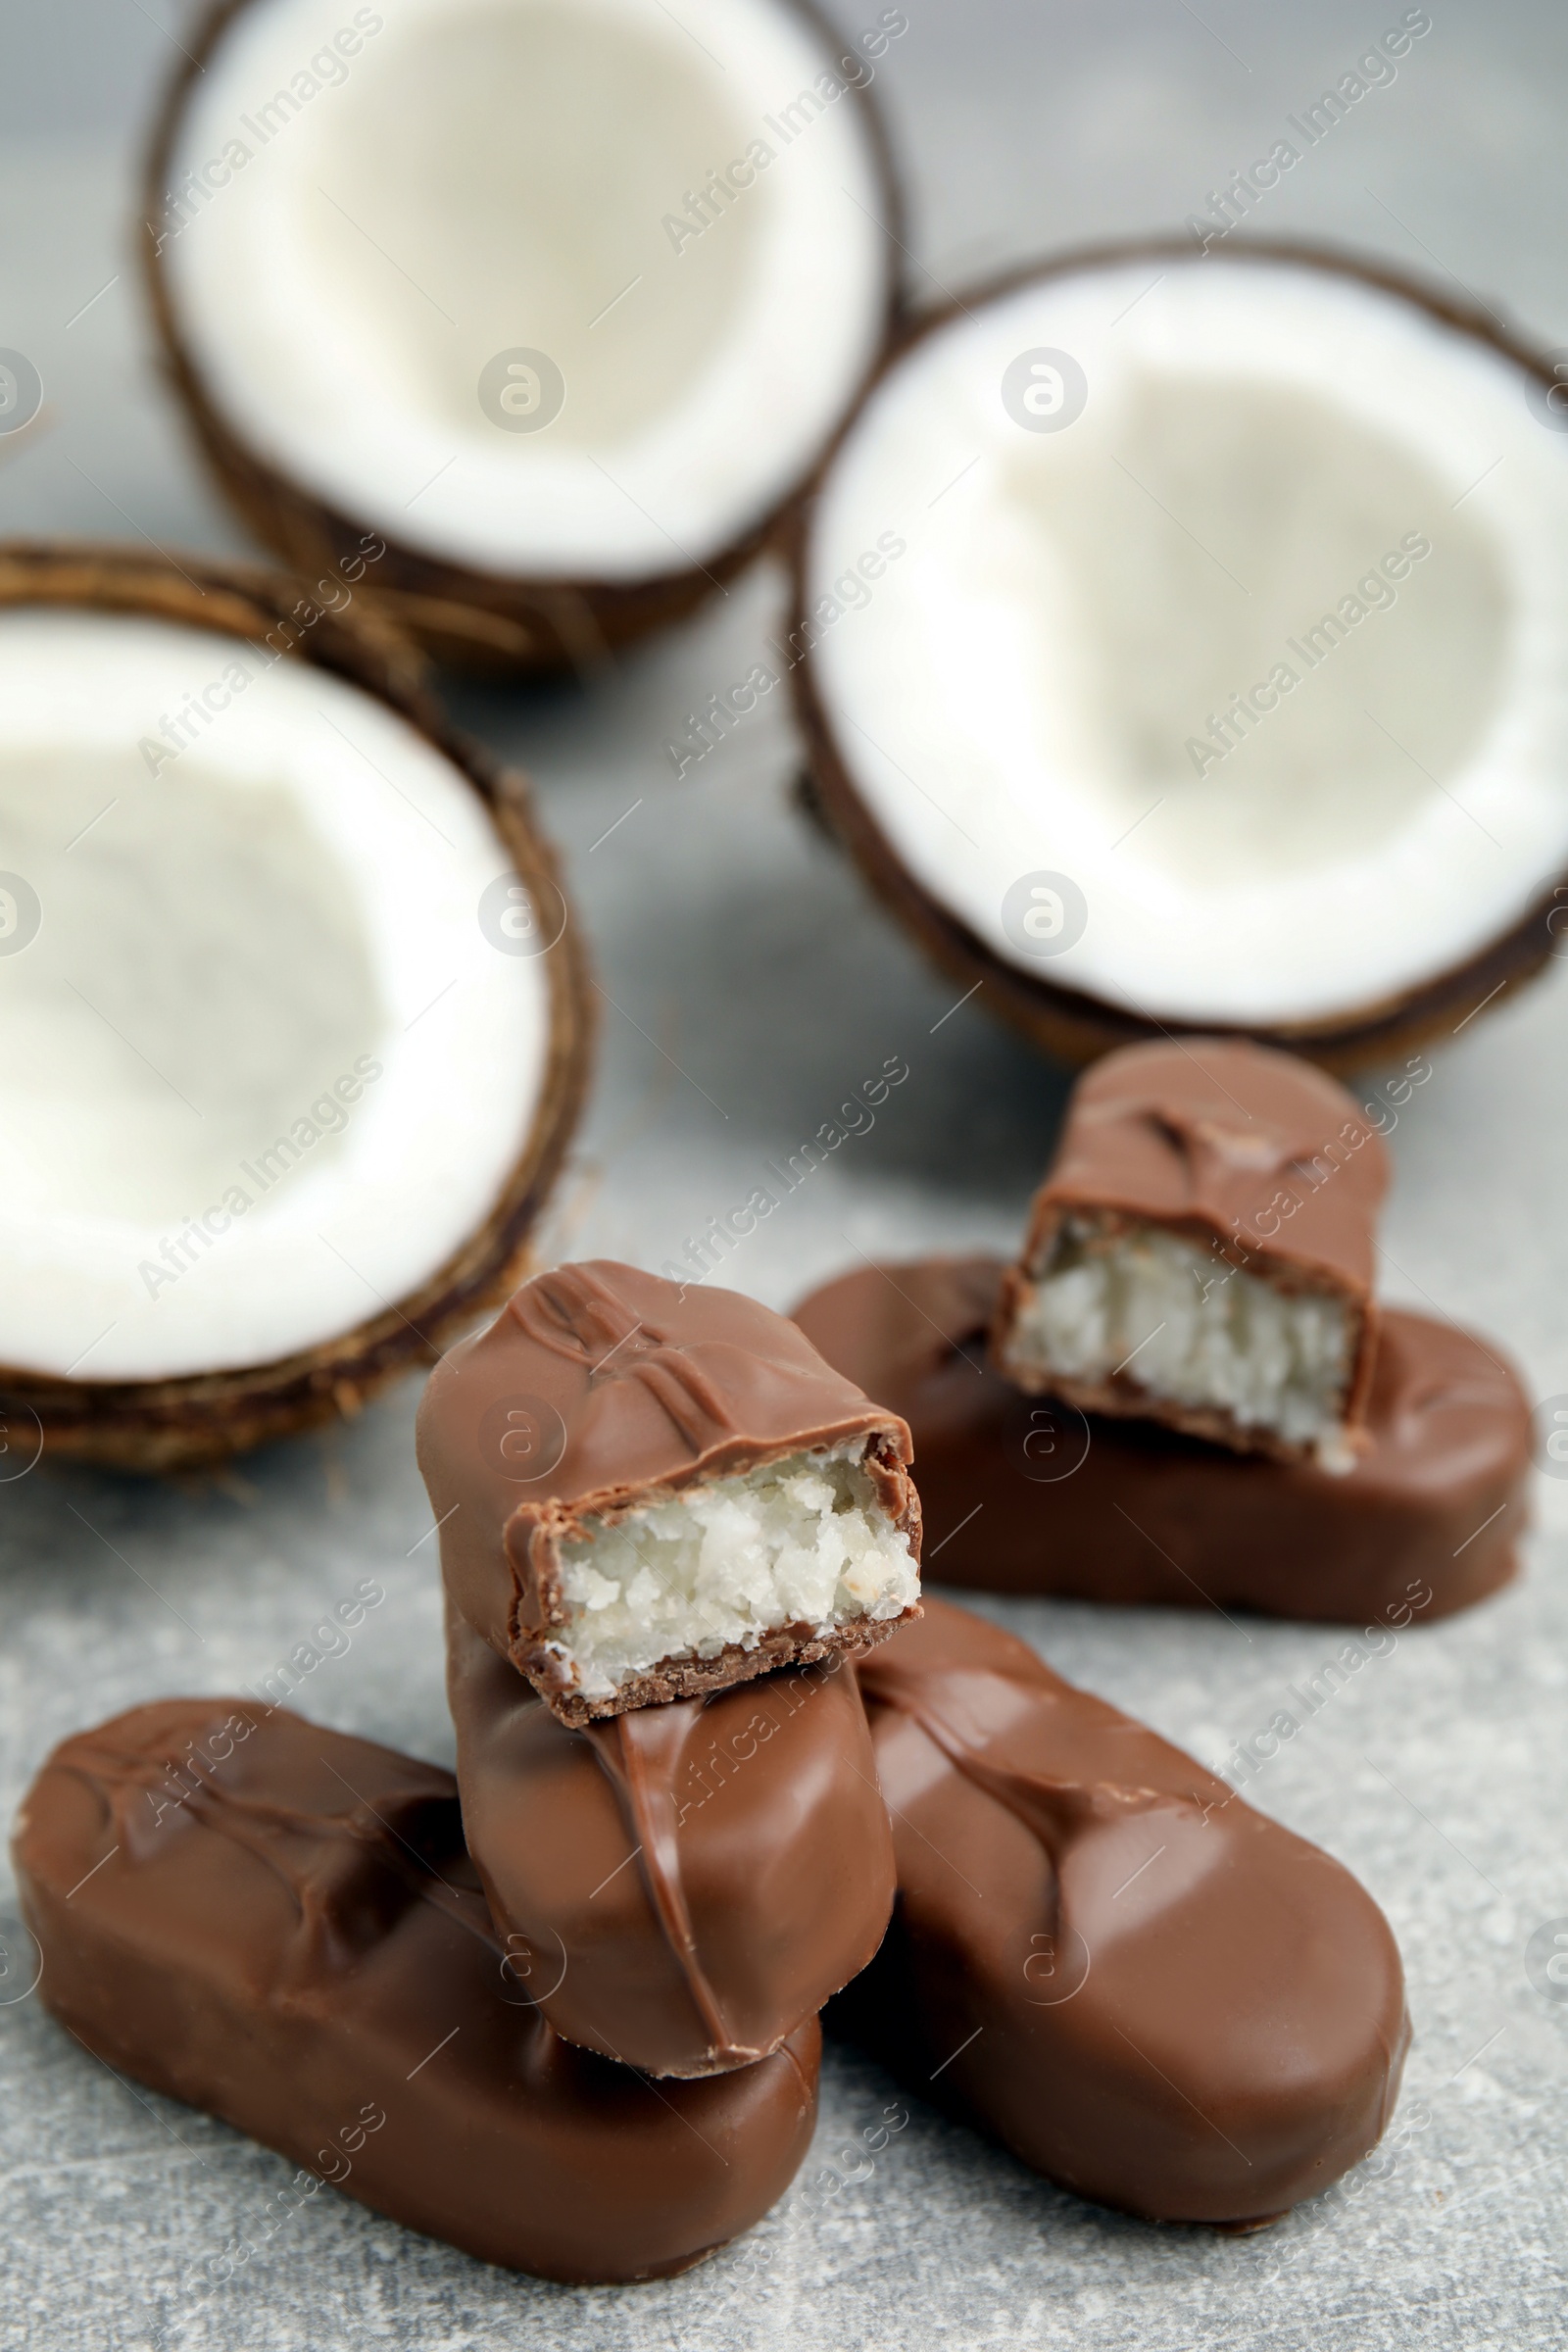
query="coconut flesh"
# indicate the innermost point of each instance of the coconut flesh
(669, 205)
(1263, 649)
(265, 1070)
(798, 1541)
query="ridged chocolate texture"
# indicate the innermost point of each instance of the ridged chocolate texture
(278, 1924)
(682, 1885)
(625, 1389)
(1022, 1494)
(1262, 1162)
(1102, 1957)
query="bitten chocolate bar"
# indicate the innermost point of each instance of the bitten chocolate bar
(279, 1924)
(646, 1494)
(1201, 1253)
(680, 1886)
(1106, 1960)
(1025, 1494)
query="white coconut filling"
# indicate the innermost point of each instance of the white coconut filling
(1186, 1326)
(802, 1541)
(265, 1071)
(1265, 650)
(484, 176)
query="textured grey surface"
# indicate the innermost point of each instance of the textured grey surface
(748, 983)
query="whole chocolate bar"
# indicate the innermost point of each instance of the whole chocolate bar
(279, 1924)
(1105, 1958)
(647, 1492)
(682, 1885)
(1201, 1253)
(1024, 1495)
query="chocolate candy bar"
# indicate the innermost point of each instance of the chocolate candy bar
(681, 1885)
(278, 1924)
(1026, 1495)
(1106, 1959)
(1201, 1253)
(647, 1492)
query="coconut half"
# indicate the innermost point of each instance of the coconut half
(563, 298)
(1220, 680)
(293, 1016)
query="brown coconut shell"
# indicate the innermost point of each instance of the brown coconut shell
(1071, 1025)
(471, 620)
(160, 1425)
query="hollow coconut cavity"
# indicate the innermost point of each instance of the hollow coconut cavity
(280, 1095)
(558, 295)
(802, 1541)
(1223, 680)
(1184, 1327)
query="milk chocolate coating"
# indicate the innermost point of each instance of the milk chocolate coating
(628, 1390)
(1257, 1158)
(1102, 1957)
(279, 1924)
(682, 1885)
(1022, 1494)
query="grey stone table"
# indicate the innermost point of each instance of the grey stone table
(747, 984)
